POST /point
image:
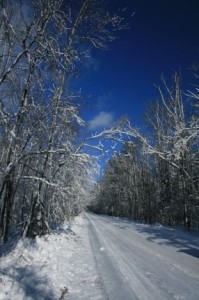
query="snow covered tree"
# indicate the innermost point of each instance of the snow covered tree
(43, 47)
(154, 178)
(174, 149)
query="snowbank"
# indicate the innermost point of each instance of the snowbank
(58, 266)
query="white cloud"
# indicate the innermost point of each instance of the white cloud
(103, 119)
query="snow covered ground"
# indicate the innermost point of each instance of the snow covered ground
(58, 266)
(143, 262)
(100, 258)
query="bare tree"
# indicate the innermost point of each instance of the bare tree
(158, 169)
(43, 47)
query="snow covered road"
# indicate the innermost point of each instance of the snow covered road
(102, 258)
(136, 261)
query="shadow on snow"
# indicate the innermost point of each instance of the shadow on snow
(186, 242)
(28, 280)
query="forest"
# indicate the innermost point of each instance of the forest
(45, 166)
(155, 176)
(47, 154)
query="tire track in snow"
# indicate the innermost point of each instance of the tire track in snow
(148, 275)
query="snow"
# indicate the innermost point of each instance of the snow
(102, 258)
(144, 262)
(57, 266)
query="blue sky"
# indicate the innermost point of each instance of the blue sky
(163, 38)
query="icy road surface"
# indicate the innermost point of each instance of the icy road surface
(136, 261)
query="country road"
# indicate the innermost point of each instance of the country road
(136, 261)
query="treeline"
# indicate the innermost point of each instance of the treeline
(45, 169)
(155, 176)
